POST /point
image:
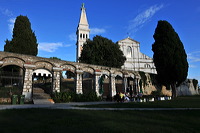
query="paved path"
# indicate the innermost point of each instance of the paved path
(73, 106)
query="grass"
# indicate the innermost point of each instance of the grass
(76, 121)
(179, 102)
(87, 121)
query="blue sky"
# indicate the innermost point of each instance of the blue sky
(55, 23)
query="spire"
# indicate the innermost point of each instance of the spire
(83, 18)
(83, 5)
(83, 32)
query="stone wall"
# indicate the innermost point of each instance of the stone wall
(31, 63)
(187, 88)
(55, 67)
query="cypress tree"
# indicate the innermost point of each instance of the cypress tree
(169, 56)
(24, 40)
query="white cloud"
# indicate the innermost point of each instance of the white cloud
(11, 22)
(73, 37)
(68, 45)
(139, 21)
(194, 57)
(6, 12)
(97, 31)
(50, 47)
(192, 66)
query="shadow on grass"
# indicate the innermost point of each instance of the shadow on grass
(76, 121)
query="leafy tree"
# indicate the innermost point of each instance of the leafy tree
(24, 40)
(169, 56)
(102, 51)
(8, 46)
(70, 74)
(56, 58)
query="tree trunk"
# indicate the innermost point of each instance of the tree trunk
(173, 86)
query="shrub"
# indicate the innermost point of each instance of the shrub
(156, 93)
(60, 97)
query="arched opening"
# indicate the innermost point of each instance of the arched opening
(11, 81)
(88, 83)
(119, 84)
(131, 86)
(42, 83)
(104, 86)
(67, 81)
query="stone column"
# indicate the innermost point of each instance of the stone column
(97, 87)
(113, 86)
(125, 83)
(56, 79)
(137, 80)
(28, 78)
(79, 82)
(1, 63)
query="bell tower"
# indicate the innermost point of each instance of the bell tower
(82, 32)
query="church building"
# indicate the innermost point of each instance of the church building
(135, 60)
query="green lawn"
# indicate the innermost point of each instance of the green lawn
(82, 121)
(87, 121)
(179, 102)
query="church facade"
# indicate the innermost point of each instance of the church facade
(135, 60)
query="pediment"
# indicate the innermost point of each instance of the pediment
(128, 40)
